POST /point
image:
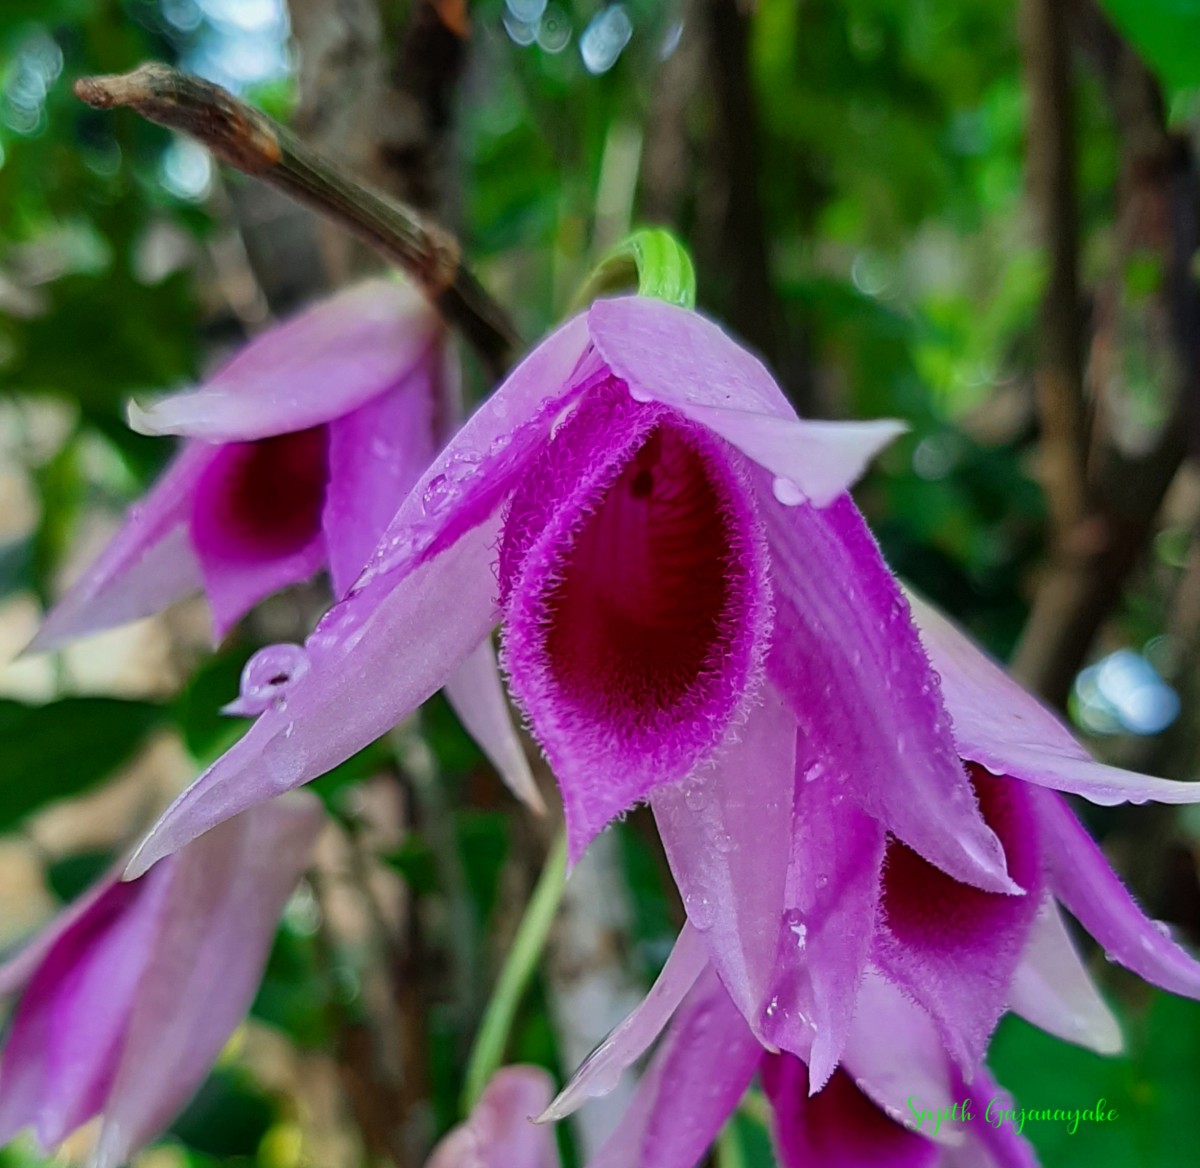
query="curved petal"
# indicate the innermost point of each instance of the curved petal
(601, 1071)
(694, 1083)
(147, 565)
(894, 1055)
(498, 1133)
(477, 695)
(829, 926)
(727, 835)
(68, 1029)
(847, 660)
(487, 458)
(839, 1128)
(1082, 879)
(309, 370)
(256, 520)
(993, 1146)
(1001, 726)
(227, 893)
(954, 948)
(677, 357)
(633, 577)
(373, 660)
(376, 453)
(1052, 989)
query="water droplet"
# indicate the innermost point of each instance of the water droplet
(1162, 927)
(814, 771)
(695, 795)
(772, 1008)
(438, 492)
(289, 730)
(640, 395)
(795, 923)
(822, 881)
(266, 677)
(787, 492)
(723, 842)
(605, 38)
(701, 911)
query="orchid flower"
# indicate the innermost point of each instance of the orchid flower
(682, 585)
(127, 998)
(889, 1105)
(299, 450)
(498, 1132)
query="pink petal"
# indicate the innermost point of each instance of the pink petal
(1052, 988)
(838, 1128)
(1006, 729)
(727, 833)
(148, 564)
(227, 893)
(309, 370)
(894, 1055)
(955, 947)
(827, 931)
(601, 1071)
(69, 1025)
(636, 613)
(993, 1147)
(487, 458)
(848, 662)
(498, 1133)
(374, 658)
(256, 520)
(678, 358)
(1082, 879)
(477, 695)
(376, 453)
(695, 1082)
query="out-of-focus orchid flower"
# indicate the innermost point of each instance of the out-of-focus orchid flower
(298, 452)
(683, 586)
(498, 1133)
(880, 1109)
(128, 997)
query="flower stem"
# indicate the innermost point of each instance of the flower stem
(246, 139)
(518, 968)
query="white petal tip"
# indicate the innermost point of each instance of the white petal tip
(141, 419)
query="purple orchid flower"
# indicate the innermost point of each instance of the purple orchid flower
(891, 1104)
(682, 584)
(128, 997)
(498, 1133)
(828, 892)
(299, 451)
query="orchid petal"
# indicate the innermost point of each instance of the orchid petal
(313, 368)
(633, 577)
(726, 831)
(147, 565)
(910, 1064)
(848, 662)
(839, 1128)
(477, 695)
(256, 520)
(376, 453)
(402, 633)
(954, 948)
(826, 933)
(498, 1133)
(1083, 880)
(678, 358)
(601, 1071)
(1052, 988)
(227, 892)
(695, 1081)
(994, 1146)
(1000, 725)
(486, 459)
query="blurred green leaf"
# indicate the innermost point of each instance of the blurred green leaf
(1166, 33)
(61, 749)
(228, 1117)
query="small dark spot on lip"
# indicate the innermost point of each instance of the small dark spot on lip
(641, 485)
(279, 679)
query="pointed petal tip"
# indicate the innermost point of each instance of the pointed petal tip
(141, 419)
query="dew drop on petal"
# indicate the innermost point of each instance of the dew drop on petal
(266, 677)
(787, 492)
